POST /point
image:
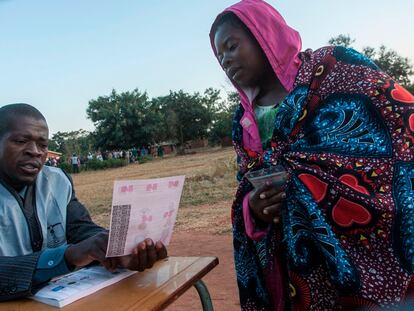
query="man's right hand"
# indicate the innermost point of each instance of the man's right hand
(87, 251)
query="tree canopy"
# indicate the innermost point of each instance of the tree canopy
(128, 119)
(123, 120)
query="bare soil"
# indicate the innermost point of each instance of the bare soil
(220, 281)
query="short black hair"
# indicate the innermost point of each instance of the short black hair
(10, 113)
(231, 19)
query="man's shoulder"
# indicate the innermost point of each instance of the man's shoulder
(52, 171)
(54, 177)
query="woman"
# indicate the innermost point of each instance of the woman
(340, 234)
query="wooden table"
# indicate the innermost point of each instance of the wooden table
(153, 289)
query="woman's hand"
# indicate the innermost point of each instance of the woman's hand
(266, 202)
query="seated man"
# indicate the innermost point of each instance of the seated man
(44, 230)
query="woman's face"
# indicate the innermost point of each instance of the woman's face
(240, 55)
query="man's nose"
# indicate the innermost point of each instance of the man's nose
(33, 149)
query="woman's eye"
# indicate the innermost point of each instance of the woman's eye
(233, 47)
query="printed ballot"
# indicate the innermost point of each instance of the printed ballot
(68, 288)
(143, 209)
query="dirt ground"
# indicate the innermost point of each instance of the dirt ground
(220, 281)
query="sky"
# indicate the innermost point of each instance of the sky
(57, 55)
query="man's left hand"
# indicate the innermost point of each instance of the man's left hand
(143, 257)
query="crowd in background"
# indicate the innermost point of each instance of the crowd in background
(133, 155)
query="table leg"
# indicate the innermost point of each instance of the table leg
(204, 295)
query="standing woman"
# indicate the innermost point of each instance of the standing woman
(340, 234)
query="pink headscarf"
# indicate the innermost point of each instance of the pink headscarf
(281, 45)
(280, 42)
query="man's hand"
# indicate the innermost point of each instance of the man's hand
(265, 203)
(91, 249)
(143, 256)
(94, 249)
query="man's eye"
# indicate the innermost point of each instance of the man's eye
(20, 141)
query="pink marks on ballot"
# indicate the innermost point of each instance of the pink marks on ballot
(155, 186)
(168, 214)
(173, 184)
(151, 187)
(146, 217)
(127, 188)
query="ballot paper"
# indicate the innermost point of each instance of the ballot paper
(143, 209)
(68, 288)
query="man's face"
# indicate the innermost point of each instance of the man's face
(239, 55)
(23, 151)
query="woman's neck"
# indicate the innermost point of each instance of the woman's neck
(271, 92)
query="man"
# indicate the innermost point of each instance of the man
(44, 230)
(75, 163)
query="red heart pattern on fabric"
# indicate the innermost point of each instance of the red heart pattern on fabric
(352, 181)
(401, 94)
(411, 122)
(346, 213)
(317, 187)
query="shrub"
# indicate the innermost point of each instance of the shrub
(101, 165)
(143, 159)
(66, 167)
(94, 165)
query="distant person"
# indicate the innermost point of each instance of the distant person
(339, 235)
(99, 156)
(44, 230)
(160, 151)
(74, 160)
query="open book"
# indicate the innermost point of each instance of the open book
(76, 285)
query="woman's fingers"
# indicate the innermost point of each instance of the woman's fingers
(270, 191)
(272, 210)
(276, 198)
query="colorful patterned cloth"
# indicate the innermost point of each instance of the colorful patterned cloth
(345, 134)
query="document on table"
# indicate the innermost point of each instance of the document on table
(73, 286)
(143, 209)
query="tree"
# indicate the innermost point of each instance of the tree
(186, 116)
(123, 120)
(398, 67)
(67, 143)
(221, 128)
(342, 40)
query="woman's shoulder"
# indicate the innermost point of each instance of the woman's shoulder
(310, 60)
(339, 56)
(310, 55)
(342, 54)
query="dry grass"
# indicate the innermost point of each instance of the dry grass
(208, 190)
